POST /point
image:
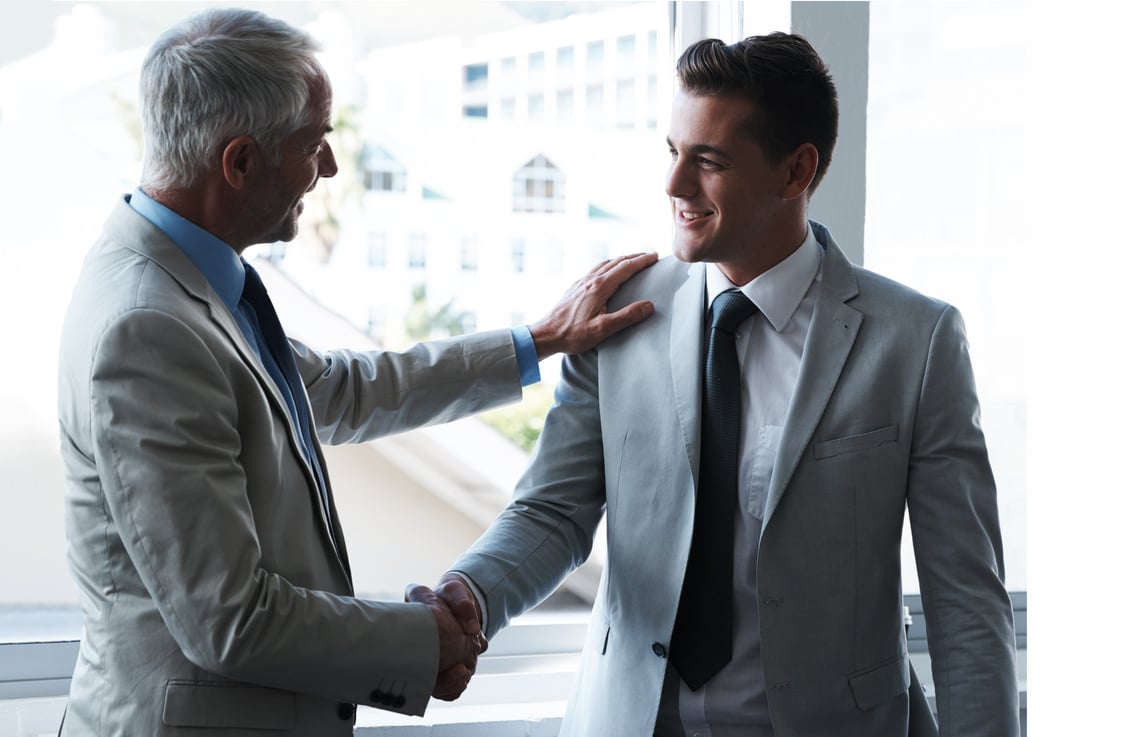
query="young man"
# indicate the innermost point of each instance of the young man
(755, 485)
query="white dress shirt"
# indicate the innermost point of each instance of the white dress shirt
(769, 346)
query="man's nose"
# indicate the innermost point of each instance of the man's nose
(327, 164)
(679, 182)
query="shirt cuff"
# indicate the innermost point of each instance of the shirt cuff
(525, 356)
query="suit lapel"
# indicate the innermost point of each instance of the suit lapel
(687, 331)
(141, 236)
(832, 332)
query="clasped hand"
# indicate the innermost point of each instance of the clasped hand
(462, 638)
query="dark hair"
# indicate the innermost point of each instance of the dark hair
(791, 88)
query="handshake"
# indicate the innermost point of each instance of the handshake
(462, 637)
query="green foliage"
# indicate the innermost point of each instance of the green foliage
(424, 321)
(523, 421)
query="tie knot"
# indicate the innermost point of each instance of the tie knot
(731, 308)
(253, 290)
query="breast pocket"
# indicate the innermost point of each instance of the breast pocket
(855, 443)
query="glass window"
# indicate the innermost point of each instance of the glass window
(539, 187)
(595, 54)
(535, 107)
(417, 251)
(625, 48)
(476, 76)
(947, 181)
(383, 172)
(507, 69)
(625, 103)
(594, 100)
(378, 250)
(507, 109)
(412, 170)
(535, 65)
(565, 105)
(469, 253)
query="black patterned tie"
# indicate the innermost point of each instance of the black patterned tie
(702, 643)
(287, 376)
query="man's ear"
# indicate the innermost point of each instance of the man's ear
(240, 159)
(801, 168)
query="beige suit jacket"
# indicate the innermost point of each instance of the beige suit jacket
(216, 594)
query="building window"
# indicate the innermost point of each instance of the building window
(507, 109)
(565, 57)
(476, 77)
(475, 111)
(625, 103)
(383, 173)
(519, 255)
(595, 54)
(535, 66)
(565, 105)
(594, 103)
(507, 68)
(469, 254)
(378, 250)
(651, 101)
(538, 187)
(625, 48)
(535, 108)
(417, 251)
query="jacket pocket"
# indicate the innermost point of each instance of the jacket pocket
(855, 443)
(873, 687)
(227, 705)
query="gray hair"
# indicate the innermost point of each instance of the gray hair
(218, 75)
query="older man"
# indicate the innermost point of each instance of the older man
(201, 525)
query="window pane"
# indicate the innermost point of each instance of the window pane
(432, 149)
(946, 181)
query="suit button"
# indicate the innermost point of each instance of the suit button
(659, 649)
(376, 696)
(398, 702)
(346, 711)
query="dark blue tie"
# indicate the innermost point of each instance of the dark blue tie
(702, 643)
(285, 374)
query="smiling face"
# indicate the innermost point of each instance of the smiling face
(305, 158)
(731, 205)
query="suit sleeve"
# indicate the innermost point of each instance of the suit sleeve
(165, 439)
(361, 396)
(955, 529)
(548, 528)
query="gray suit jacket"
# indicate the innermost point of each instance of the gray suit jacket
(884, 417)
(215, 591)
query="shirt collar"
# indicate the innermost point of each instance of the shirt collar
(223, 268)
(779, 291)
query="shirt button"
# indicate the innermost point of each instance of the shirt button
(659, 649)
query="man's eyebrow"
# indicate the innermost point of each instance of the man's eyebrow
(700, 148)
